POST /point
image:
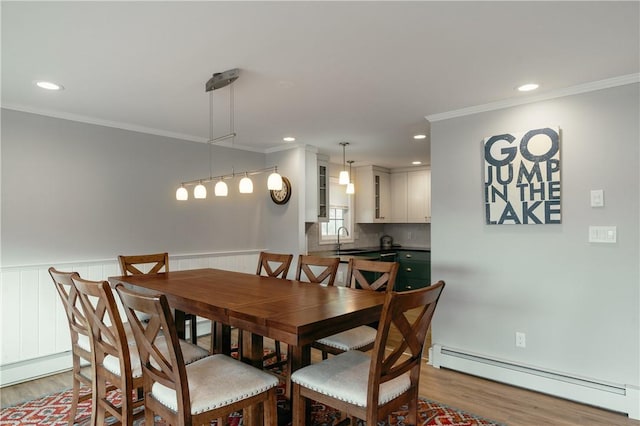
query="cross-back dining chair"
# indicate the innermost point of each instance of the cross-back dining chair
(370, 386)
(317, 269)
(367, 275)
(111, 353)
(155, 263)
(115, 358)
(80, 336)
(207, 389)
(272, 265)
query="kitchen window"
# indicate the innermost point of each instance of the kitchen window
(340, 214)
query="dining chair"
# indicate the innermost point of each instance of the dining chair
(155, 263)
(207, 389)
(111, 354)
(370, 386)
(272, 265)
(80, 336)
(317, 269)
(367, 275)
(115, 357)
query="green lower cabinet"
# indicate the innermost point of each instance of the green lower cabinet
(414, 271)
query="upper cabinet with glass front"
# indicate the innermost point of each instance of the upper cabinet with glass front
(317, 187)
(373, 195)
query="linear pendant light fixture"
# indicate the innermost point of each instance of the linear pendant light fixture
(274, 182)
(343, 179)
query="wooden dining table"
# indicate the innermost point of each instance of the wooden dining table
(294, 312)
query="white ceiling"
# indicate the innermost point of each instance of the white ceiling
(363, 72)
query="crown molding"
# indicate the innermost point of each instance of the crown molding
(125, 126)
(573, 90)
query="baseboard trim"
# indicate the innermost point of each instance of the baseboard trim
(35, 368)
(611, 396)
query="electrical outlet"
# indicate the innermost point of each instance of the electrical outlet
(521, 341)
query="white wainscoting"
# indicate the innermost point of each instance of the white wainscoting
(33, 325)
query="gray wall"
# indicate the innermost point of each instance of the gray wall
(577, 302)
(74, 191)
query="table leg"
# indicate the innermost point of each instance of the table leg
(179, 318)
(222, 336)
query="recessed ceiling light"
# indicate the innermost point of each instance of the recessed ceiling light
(289, 139)
(416, 163)
(49, 85)
(417, 137)
(528, 87)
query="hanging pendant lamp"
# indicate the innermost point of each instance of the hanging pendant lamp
(274, 182)
(344, 174)
(246, 185)
(350, 188)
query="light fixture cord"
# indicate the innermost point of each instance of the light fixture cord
(210, 133)
(231, 113)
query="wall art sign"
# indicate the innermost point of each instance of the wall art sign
(522, 177)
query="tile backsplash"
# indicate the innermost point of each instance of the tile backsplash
(368, 235)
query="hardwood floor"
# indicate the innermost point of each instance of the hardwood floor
(496, 401)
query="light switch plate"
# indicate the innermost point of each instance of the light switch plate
(603, 234)
(597, 198)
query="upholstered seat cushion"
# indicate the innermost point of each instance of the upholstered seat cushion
(352, 339)
(345, 377)
(217, 381)
(190, 353)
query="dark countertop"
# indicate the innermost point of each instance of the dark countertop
(361, 252)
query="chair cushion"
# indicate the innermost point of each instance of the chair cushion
(351, 339)
(190, 353)
(345, 377)
(217, 381)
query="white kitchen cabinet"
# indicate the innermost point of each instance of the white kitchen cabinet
(410, 196)
(399, 197)
(373, 195)
(419, 196)
(317, 187)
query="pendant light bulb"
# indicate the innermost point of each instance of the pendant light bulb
(350, 188)
(200, 192)
(274, 182)
(343, 179)
(182, 194)
(246, 185)
(221, 189)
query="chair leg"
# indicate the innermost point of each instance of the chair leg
(149, 417)
(299, 407)
(74, 403)
(270, 409)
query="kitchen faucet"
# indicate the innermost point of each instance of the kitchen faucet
(339, 230)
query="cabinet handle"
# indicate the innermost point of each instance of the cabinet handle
(408, 269)
(408, 256)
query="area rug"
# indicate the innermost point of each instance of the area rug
(52, 410)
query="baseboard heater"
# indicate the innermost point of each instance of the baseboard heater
(612, 396)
